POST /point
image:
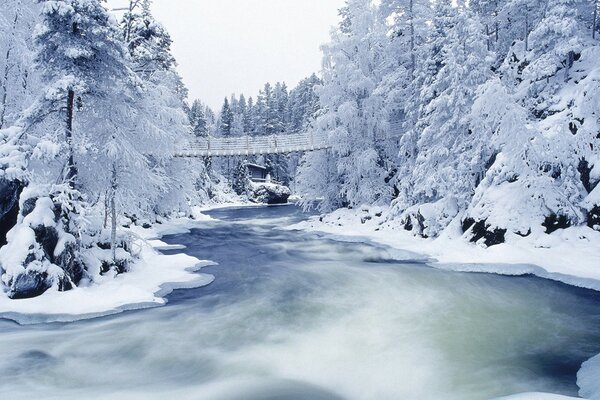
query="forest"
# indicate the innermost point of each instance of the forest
(481, 115)
(417, 217)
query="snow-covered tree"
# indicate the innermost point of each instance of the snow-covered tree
(17, 78)
(352, 116)
(226, 119)
(198, 119)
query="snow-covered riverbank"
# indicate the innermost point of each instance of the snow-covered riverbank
(571, 256)
(146, 284)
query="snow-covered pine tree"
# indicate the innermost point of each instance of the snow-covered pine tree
(198, 119)
(182, 181)
(17, 78)
(250, 117)
(84, 70)
(443, 153)
(303, 103)
(555, 42)
(352, 115)
(241, 178)
(226, 119)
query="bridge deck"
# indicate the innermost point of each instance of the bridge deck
(253, 145)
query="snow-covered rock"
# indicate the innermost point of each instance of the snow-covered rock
(40, 253)
(9, 206)
(269, 193)
(428, 220)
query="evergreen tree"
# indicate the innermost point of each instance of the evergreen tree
(226, 119)
(198, 119)
(351, 114)
(17, 78)
(148, 42)
(250, 117)
(241, 178)
(555, 41)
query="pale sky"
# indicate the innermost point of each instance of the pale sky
(234, 46)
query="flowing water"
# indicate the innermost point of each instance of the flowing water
(299, 316)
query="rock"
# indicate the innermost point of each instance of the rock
(33, 283)
(29, 284)
(9, 206)
(429, 219)
(554, 222)
(69, 261)
(269, 193)
(53, 258)
(47, 237)
(28, 206)
(593, 219)
(414, 222)
(483, 230)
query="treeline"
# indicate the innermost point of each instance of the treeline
(91, 111)
(276, 110)
(483, 114)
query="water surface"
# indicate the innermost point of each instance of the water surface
(300, 316)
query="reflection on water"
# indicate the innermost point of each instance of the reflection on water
(298, 316)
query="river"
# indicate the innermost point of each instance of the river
(303, 316)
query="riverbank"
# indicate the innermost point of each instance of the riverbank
(571, 256)
(150, 279)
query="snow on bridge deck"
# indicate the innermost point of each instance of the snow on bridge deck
(253, 145)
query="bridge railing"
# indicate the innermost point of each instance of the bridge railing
(283, 143)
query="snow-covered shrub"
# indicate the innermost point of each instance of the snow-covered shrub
(13, 178)
(241, 178)
(42, 250)
(426, 220)
(57, 243)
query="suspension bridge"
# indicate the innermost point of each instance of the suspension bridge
(248, 145)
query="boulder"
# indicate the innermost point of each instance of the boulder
(52, 258)
(29, 284)
(269, 193)
(9, 206)
(479, 230)
(593, 219)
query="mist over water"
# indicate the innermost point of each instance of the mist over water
(301, 316)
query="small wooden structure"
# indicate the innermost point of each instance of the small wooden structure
(257, 173)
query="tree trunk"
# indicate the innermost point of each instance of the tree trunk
(496, 11)
(526, 31)
(569, 64)
(71, 171)
(7, 70)
(594, 27)
(412, 38)
(106, 208)
(113, 214)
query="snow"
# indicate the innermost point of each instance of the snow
(537, 396)
(145, 285)
(571, 256)
(588, 378)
